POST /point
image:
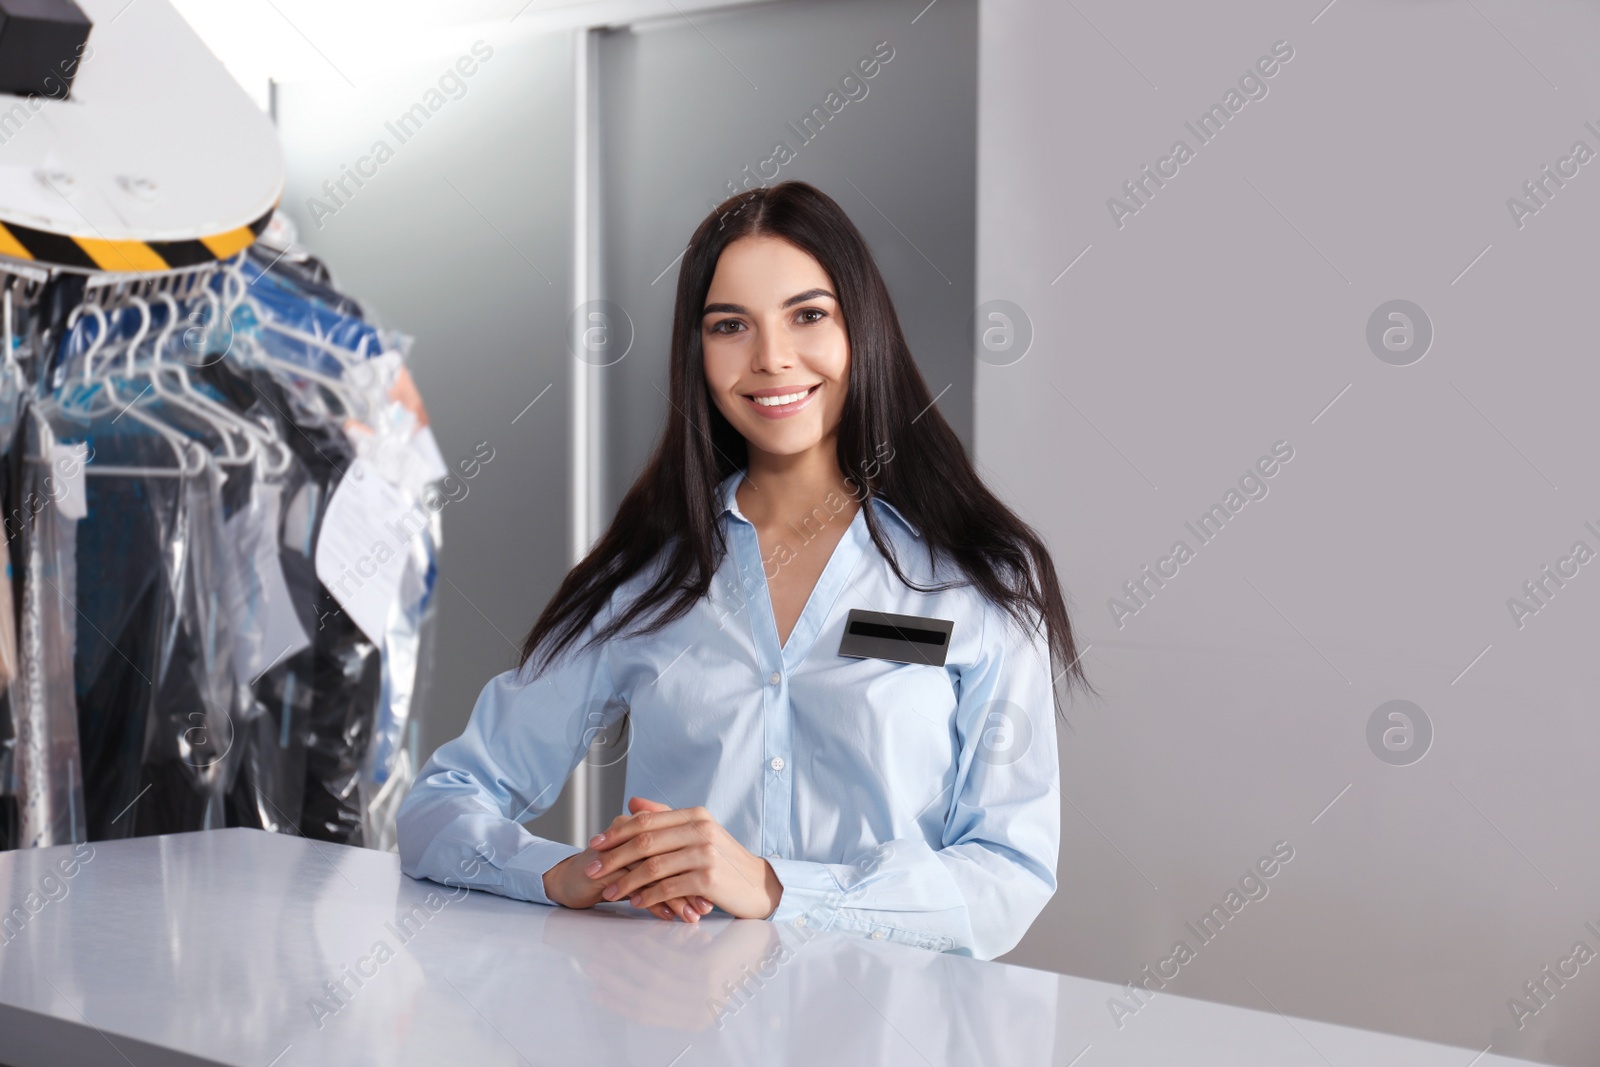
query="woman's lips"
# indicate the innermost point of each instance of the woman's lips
(780, 411)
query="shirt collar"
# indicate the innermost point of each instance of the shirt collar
(730, 503)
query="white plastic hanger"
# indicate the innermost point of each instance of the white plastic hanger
(223, 422)
(272, 455)
(191, 459)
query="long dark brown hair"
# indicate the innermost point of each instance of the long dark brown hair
(673, 506)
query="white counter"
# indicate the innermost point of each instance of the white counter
(217, 947)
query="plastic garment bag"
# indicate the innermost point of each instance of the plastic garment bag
(156, 640)
(294, 315)
(271, 664)
(11, 394)
(383, 436)
(274, 662)
(404, 455)
(187, 751)
(166, 612)
(131, 548)
(12, 388)
(45, 760)
(329, 692)
(407, 655)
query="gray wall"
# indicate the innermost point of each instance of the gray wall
(1227, 314)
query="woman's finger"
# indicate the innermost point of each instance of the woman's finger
(667, 909)
(635, 825)
(652, 843)
(661, 911)
(638, 804)
(694, 906)
(679, 885)
(681, 908)
(654, 869)
(624, 827)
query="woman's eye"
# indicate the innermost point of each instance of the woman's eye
(718, 327)
(818, 312)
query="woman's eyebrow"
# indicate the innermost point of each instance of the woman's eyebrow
(809, 294)
(740, 309)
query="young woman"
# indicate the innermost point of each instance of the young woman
(898, 781)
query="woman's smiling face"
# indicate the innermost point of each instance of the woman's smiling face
(777, 356)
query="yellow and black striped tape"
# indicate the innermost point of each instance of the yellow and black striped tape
(96, 253)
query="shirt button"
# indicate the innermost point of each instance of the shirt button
(799, 920)
(774, 678)
(777, 763)
(877, 935)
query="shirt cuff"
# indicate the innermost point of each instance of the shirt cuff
(523, 874)
(811, 897)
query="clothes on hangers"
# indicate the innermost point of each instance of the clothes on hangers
(181, 663)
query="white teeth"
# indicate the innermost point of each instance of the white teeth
(779, 401)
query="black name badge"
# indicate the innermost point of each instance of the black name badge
(902, 638)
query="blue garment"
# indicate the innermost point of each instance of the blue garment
(900, 802)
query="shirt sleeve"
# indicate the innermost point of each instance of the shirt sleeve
(461, 823)
(978, 893)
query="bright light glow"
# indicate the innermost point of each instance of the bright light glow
(347, 41)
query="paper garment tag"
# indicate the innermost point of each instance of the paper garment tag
(66, 470)
(267, 628)
(431, 465)
(362, 547)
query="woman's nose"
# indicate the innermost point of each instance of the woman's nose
(772, 351)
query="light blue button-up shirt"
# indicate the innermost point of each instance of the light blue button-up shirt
(896, 801)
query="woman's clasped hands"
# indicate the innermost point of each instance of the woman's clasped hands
(671, 862)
